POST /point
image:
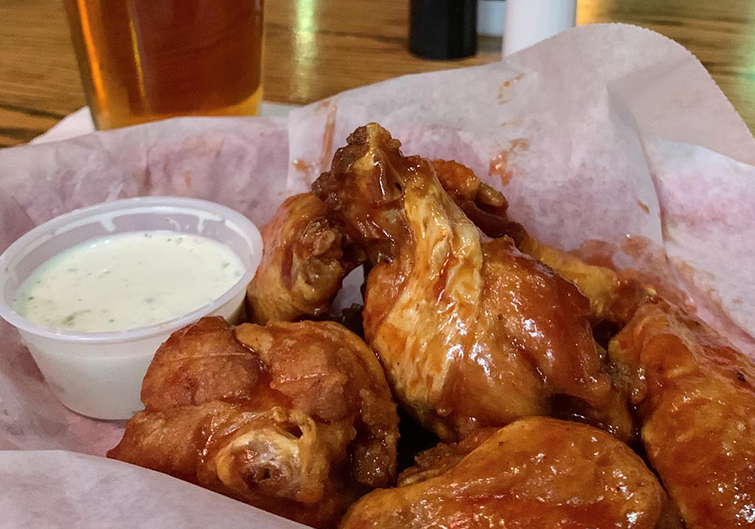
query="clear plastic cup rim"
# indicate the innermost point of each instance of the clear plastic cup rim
(62, 223)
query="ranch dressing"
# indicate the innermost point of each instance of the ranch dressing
(127, 281)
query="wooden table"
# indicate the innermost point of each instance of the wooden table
(315, 48)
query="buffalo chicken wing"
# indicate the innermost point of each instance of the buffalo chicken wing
(471, 331)
(303, 265)
(695, 403)
(294, 418)
(534, 473)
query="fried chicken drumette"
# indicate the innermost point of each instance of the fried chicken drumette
(306, 257)
(534, 473)
(294, 418)
(695, 403)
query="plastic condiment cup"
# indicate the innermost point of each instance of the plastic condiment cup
(99, 374)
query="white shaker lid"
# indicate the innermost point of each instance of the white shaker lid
(530, 21)
(490, 17)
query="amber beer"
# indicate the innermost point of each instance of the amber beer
(143, 60)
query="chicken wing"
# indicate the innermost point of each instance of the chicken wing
(471, 331)
(613, 296)
(303, 265)
(695, 402)
(294, 418)
(306, 256)
(534, 473)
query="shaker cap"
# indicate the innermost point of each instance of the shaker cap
(443, 29)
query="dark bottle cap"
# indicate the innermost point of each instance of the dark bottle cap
(443, 29)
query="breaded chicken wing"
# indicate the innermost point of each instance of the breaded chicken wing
(471, 331)
(535, 473)
(294, 418)
(695, 402)
(303, 265)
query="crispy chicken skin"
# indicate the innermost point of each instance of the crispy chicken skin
(534, 473)
(696, 406)
(294, 418)
(303, 265)
(471, 332)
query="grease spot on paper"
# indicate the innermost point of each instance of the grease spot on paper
(500, 163)
(309, 171)
(504, 92)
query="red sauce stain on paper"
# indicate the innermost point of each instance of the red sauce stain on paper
(712, 302)
(302, 166)
(653, 267)
(309, 171)
(504, 95)
(672, 278)
(642, 249)
(147, 178)
(305, 171)
(596, 253)
(499, 164)
(327, 136)
(655, 270)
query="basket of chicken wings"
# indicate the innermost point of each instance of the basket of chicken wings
(489, 380)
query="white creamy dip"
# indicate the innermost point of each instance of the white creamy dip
(127, 281)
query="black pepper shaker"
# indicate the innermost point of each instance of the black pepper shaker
(443, 29)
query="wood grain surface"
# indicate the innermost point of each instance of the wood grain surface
(316, 48)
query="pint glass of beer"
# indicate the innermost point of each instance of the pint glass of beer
(144, 60)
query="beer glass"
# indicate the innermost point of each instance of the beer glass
(144, 60)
